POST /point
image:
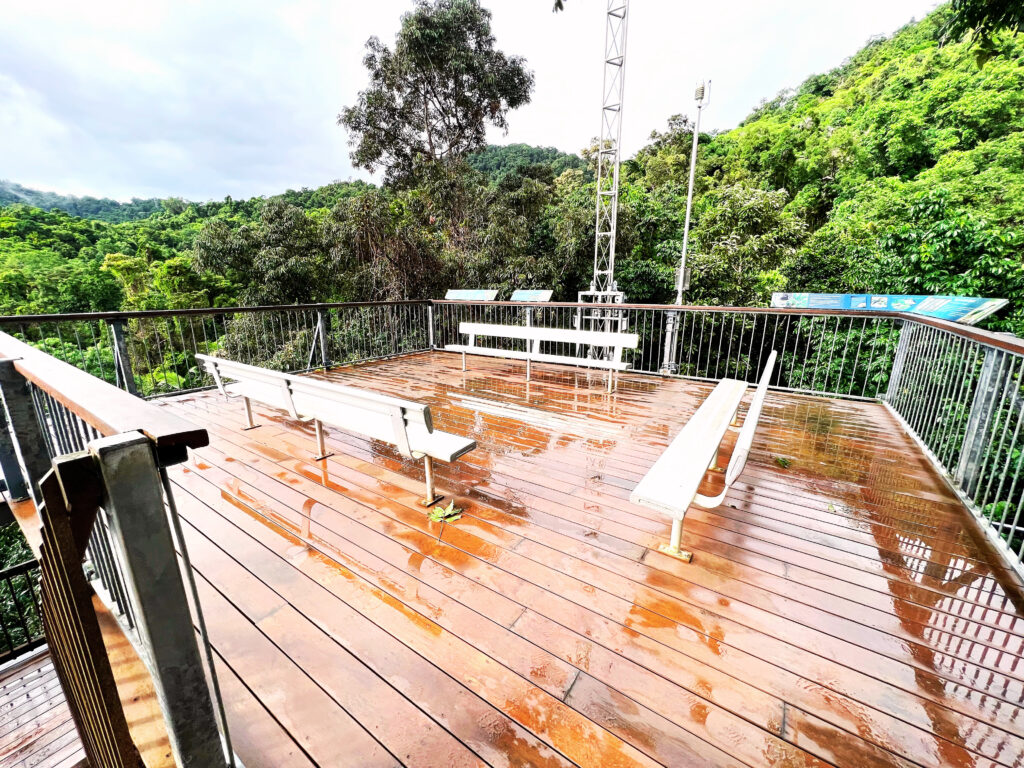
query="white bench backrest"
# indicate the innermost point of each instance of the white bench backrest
(746, 437)
(368, 413)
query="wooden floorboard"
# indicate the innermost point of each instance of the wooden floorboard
(837, 611)
(36, 728)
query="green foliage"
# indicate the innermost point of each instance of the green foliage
(13, 547)
(983, 20)
(497, 162)
(433, 96)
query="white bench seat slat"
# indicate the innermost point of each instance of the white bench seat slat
(403, 423)
(442, 446)
(670, 485)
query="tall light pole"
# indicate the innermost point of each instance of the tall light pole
(703, 98)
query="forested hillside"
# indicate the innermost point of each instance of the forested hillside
(103, 209)
(902, 170)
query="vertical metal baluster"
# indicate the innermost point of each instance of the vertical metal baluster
(796, 351)
(856, 359)
(987, 457)
(99, 352)
(952, 400)
(933, 391)
(951, 359)
(920, 376)
(777, 375)
(728, 352)
(831, 354)
(1014, 401)
(970, 385)
(161, 363)
(871, 359)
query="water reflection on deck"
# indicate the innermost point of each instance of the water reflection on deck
(836, 610)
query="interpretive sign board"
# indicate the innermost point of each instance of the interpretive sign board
(960, 309)
(526, 295)
(470, 294)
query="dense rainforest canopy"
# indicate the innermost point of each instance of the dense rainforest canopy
(902, 170)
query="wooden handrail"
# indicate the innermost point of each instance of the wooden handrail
(109, 410)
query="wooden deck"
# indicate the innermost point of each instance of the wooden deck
(837, 611)
(36, 729)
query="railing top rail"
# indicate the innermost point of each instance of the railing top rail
(144, 313)
(672, 307)
(17, 570)
(106, 408)
(1003, 341)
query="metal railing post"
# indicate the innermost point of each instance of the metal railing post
(668, 361)
(124, 377)
(24, 425)
(982, 410)
(430, 326)
(323, 326)
(134, 502)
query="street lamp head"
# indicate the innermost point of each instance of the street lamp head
(698, 95)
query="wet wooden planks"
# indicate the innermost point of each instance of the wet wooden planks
(36, 728)
(836, 611)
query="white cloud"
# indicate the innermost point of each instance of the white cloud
(206, 99)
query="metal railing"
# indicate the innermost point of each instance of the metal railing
(819, 352)
(152, 353)
(95, 457)
(21, 623)
(960, 393)
(956, 389)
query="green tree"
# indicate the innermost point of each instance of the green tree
(433, 96)
(742, 240)
(983, 20)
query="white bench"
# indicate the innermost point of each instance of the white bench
(405, 424)
(671, 485)
(534, 335)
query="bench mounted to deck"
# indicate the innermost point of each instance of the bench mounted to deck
(672, 484)
(535, 335)
(405, 424)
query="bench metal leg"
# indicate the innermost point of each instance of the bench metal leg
(432, 496)
(672, 548)
(321, 443)
(611, 380)
(528, 369)
(248, 414)
(463, 361)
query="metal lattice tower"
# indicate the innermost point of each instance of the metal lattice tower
(603, 288)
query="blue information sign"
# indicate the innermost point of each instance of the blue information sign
(961, 309)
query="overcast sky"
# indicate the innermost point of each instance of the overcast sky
(203, 98)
